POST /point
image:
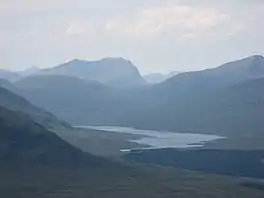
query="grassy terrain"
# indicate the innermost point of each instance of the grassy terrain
(238, 143)
(238, 163)
(127, 182)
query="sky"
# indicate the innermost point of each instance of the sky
(156, 35)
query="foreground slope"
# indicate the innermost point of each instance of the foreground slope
(37, 163)
(229, 162)
(24, 142)
(154, 183)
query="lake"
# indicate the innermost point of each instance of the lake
(159, 139)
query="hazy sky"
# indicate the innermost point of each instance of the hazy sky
(156, 35)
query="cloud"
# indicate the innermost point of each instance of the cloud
(79, 27)
(157, 21)
(154, 33)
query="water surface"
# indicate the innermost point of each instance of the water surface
(160, 139)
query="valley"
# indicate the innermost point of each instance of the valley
(147, 139)
(131, 99)
(179, 136)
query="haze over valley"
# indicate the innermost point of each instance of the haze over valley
(134, 99)
(217, 110)
(223, 101)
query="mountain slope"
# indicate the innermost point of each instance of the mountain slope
(56, 82)
(229, 74)
(116, 72)
(226, 100)
(23, 141)
(69, 98)
(238, 109)
(235, 111)
(15, 102)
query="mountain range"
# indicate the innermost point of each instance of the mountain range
(116, 72)
(36, 162)
(113, 72)
(225, 100)
(13, 76)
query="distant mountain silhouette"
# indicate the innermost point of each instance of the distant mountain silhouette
(29, 71)
(116, 72)
(155, 78)
(8, 75)
(13, 76)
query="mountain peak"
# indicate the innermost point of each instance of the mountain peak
(116, 59)
(113, 58)
(105, 60)
(111, 71)
(256, 57)
(30, 71)
(254, 61)
(76, 60)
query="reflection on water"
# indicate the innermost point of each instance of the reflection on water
(161, 139)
